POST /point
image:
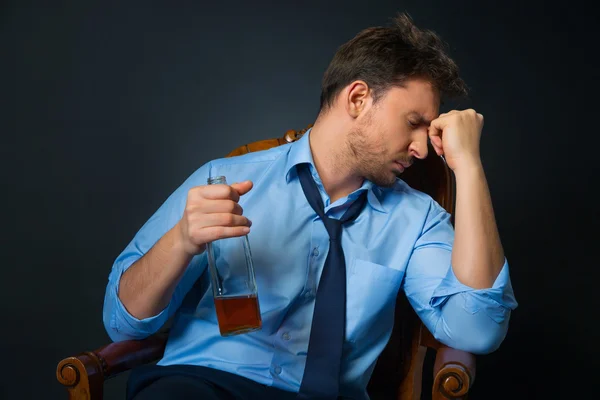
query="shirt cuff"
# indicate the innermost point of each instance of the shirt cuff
(497, 301)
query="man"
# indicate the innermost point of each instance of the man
(379, 108)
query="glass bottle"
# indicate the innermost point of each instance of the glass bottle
(233, 282)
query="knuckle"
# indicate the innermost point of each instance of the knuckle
(194, 192)
(231, 206)
(195, 196)
(229, 219)
(189, 199)
(189, 208)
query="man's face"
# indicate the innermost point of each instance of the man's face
(393, 131)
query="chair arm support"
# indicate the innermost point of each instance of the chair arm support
(123, 356)
(84, 374)
(454, 373)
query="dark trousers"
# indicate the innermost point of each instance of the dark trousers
(174, 382)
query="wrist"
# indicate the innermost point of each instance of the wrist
(179, 247)
(467, 166)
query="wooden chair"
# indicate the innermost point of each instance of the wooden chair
(399, 370)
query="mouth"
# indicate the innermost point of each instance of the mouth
(402, 165)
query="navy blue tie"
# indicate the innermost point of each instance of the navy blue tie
(321, 378)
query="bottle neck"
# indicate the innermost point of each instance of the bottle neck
(217, 180)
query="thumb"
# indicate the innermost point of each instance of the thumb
(435, 131)
(242, 187)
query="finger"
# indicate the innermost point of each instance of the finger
(215, 206)
(438, 151)
(436, 143)
(243, 187)
(221, 232)
(218, 219)
(436, 128)
(213, 192)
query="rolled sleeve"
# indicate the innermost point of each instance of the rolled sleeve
(120, 324)
(464, 318)
(496, 302)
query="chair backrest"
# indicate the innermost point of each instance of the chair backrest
(399, 368)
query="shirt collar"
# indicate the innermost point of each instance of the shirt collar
(300, 153)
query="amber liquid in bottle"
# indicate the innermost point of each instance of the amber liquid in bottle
(238, 314)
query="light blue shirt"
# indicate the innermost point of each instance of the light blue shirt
(402, 240)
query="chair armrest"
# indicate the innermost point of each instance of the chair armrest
(123, 356)
(454, 373)
(83, 375)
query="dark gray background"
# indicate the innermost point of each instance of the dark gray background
(106, 109)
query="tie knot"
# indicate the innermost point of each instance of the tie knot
(334, 228)
(311, 191)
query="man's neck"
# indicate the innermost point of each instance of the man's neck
(331, 156)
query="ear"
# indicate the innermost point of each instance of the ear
(358, 98)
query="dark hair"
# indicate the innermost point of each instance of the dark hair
(387, 56)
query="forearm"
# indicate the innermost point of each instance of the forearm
(147, 286)
(477, 254)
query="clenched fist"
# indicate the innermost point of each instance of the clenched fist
(456, 135)
(212, 212)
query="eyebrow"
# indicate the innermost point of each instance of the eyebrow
(422, 119)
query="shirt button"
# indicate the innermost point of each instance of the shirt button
(286, 336)
(315, 252)
(277, 370)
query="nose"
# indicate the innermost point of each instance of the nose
(418, 147)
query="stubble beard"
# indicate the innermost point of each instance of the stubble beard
(368, 160)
